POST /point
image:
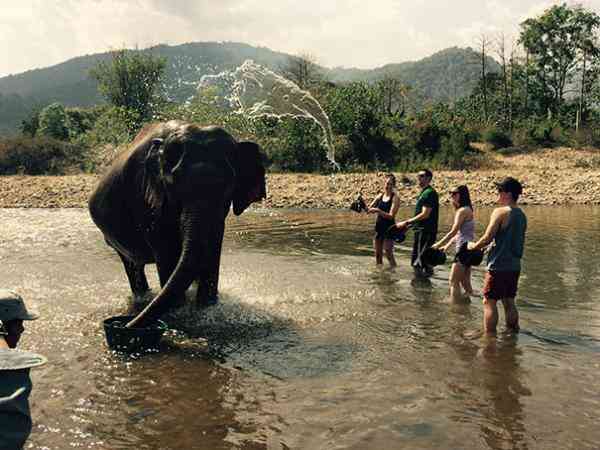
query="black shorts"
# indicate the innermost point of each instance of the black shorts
(423, 240)
(381, 228)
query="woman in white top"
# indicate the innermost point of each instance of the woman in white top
(462, 231)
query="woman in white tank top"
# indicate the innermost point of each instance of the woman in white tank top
(462, 231)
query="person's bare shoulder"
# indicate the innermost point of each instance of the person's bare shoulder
(463, 213)
(501, 214)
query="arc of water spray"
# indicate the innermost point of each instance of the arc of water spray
(255, 91)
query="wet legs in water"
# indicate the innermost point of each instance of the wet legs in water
(490, 315)
(460, 276)
(384, 246)
(466, 282)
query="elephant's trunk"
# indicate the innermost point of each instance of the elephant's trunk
(198, 231)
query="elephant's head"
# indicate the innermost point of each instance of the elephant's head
(192, 165)
(196, 173)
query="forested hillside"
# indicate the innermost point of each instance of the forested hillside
(446, 75)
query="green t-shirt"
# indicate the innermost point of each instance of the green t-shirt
(428, 197)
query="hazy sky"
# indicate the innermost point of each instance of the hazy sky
(40, 33)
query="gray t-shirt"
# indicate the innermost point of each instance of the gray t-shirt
(507, 251)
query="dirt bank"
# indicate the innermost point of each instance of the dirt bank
(551, 176)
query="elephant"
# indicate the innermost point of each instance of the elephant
(165, 199)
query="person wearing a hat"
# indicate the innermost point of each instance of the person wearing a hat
(506, 232)
(424, 222)
(12, 314)
(15, 382)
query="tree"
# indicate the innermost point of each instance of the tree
(560, 46)
(303, 70)
(393, 95)
(53, 122)
(484, 46)
(355, 111)
(31, 124)
(130, 80)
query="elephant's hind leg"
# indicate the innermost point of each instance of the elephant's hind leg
(136, 276)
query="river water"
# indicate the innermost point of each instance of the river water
(312, 346)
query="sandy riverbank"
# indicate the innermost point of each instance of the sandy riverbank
(550, 177)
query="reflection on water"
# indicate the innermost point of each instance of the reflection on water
(312, 346)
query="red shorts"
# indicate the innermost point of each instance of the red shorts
(498, 285)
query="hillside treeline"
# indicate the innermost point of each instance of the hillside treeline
(544, 91)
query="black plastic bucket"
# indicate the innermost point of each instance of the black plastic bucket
(132, 340)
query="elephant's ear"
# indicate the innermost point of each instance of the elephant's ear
(153, 194)
(250, 177)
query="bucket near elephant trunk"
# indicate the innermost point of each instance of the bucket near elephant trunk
(132, 340)
(197, 233)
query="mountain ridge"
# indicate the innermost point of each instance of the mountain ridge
(445, 75)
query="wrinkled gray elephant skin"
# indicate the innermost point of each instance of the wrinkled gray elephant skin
(165, 201)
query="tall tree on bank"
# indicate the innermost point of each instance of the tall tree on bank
(303, 70)
(393, 94)
(561, 48)
(484, 44)
(130, 80)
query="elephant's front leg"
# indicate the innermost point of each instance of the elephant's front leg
(136, 276)
(208, 280)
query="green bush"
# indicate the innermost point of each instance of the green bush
(80, 120)
(37, 156)
(299, 149)
(540, 133)
(114, 126)
(53, 122)
(453, 150)
(498, 138)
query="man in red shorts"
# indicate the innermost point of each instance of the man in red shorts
(506, 231)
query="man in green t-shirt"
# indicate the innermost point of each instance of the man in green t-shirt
(424, 222)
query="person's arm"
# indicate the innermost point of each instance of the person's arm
(459, 219)
(495, 223)
(3, 343)
(424, 214)
(393, 210)
(426, 209)
(371, 209)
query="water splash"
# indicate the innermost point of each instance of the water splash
(256, 91)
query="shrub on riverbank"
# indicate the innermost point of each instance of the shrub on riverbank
(496, 137)
(38, 156)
